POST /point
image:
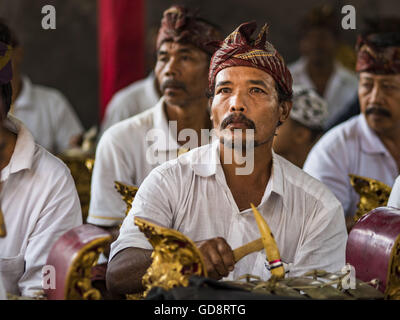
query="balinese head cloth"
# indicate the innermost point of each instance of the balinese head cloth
(374, 58)
(180, 25)
(238, 49)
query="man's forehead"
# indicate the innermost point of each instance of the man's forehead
(239, 74)
(171, 46)
(380, 77)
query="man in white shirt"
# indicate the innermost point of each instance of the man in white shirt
(394, 199)
(368, 144)
(205, 194)
(131, 100)
(38, 198)
(317, 67)
(45, 111)
(129, 150)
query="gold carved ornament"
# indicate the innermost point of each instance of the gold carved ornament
(127, 193)
(176, 257)
(373, 194)
(392, 291)
(78, 280)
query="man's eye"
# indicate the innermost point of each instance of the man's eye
(163, 58)
(224, 90)
(257, 90)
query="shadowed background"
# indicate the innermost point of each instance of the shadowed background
(67, 58)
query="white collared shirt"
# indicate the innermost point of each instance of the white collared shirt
(350, 148)
(125, 154)
(394, 199)
(39, 202)
(193, 197)
(340, 89)
(48, 116)
(130, 101)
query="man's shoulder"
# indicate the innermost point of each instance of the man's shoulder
(140, 123)
(187, 162)
(304, 183)
(345, 135)
(48, 165)
(133, 94)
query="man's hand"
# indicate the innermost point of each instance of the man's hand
(218, 257)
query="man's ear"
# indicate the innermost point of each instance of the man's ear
(285, 108)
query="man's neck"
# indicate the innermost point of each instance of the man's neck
(248, 188)
(194, 116)
(261, 169)
(8, 140)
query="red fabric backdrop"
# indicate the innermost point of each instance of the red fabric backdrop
(121, 46)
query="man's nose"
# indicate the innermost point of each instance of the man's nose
(237, 103)
(376, 96)
(171, 69)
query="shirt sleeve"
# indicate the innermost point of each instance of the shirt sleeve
(68, 124)
(394, 199)
(324, 244)
(111, 164)
(328, 162)
(155, 201)
(61, 213)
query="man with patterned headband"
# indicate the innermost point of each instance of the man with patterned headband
(130, 149)
(38, 199)
(368, 144)
(203, 195)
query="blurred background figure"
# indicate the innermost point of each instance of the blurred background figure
(371, 25)
(318, 67)
(45, 111)
(304, 127)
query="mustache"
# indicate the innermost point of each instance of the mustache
(172, 83)
(237, 118)
(375, 109)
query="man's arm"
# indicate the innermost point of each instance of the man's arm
(126, 269)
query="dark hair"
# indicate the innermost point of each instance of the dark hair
(382, 32)
(6, 89)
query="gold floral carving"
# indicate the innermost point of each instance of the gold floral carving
(78, 281)
(393, 278)
(373, 194)
(81, 167)
(127, 192)
(175, 257)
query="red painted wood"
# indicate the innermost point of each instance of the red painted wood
(64, 252)
(370, 244)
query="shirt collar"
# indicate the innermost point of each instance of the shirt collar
(206, 162)
(370, 142)
(25, 96)
(22, 157)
